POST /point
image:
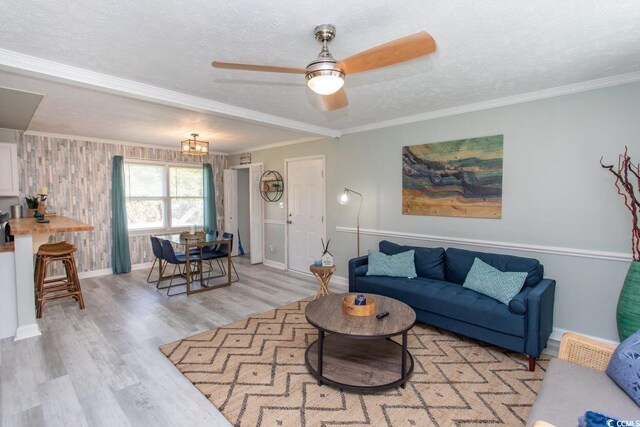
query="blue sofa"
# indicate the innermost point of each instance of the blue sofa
(439, 299)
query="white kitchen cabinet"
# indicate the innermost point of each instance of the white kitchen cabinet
(8, 169)
(8, 301)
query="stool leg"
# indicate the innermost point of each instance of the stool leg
(76, 281)
(42, 274)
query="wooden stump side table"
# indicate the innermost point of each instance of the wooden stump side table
(323, 274)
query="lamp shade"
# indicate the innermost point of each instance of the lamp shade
(325, 82)
(344, 198)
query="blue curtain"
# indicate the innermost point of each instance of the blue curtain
(120, 257)
(210, 218)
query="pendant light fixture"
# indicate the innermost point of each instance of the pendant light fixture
(194, 147)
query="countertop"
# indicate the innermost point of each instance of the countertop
(7, 247)
(56, 224)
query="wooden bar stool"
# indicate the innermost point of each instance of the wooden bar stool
(60, 287)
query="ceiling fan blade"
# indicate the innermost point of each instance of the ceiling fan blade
(253, 67)
(332, 102)
(393, 52)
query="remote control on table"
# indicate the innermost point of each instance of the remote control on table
(382, 314)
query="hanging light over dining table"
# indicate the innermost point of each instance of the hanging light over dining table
(194, 147)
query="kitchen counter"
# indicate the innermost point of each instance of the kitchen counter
(7, 247)
(56, 224)
(28, 236)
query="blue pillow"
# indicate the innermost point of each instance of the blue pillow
(458, 262)
(594, 419)
(429, 261)
(494, 283)
(399, 265)
(624, 367)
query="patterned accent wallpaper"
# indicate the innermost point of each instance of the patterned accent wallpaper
(78, 176)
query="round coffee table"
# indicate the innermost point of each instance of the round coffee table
(357, 352)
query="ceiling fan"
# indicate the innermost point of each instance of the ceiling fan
(325, 76)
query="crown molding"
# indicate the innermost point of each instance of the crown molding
(12, 61)
(108, 141)
(279, 144)
(604, 82)
(55, 71)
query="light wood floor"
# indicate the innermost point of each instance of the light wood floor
(101, 366)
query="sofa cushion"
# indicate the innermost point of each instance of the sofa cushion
(447, 299)
(458, 262)
(624, 367)
(489, 281)
(569, 390)
(429, 261)
(398, 265)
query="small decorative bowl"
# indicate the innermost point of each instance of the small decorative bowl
(349, 307)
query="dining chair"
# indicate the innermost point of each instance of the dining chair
(156, 248)
(177, 260)
(209, 253)
(220, 253)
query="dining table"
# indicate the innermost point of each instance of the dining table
(187, 243)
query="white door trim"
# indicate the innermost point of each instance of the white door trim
(251, 166)
(286, 199)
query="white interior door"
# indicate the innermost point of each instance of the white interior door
(231, 206)
(305, 216)
(256, 216)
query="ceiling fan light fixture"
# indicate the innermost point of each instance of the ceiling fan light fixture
(324, 77)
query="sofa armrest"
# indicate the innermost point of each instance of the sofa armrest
(353, 264)
(585, 351)
(539, 316)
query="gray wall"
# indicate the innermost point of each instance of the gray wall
(555, 194)
(243, 209)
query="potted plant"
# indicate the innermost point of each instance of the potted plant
(32, 205)
(626, 176)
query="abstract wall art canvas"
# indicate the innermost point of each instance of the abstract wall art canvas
(453, 178)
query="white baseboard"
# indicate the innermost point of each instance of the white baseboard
(274, 264)
(556, 335)
(27, 331)
(340, 280)
(109, 271)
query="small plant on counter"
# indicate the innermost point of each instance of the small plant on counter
(32, 202)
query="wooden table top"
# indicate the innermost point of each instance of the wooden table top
(326, 314)
(56, 224)
(322, 269)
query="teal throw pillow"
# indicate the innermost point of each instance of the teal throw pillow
(489, 281)
(624, 366)
(398, 265)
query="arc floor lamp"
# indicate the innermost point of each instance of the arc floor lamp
(344, 198)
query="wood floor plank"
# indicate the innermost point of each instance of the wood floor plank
(101, 366)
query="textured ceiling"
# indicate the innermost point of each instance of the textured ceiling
(487, 49)
(89, 113)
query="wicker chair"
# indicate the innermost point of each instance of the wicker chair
(582, 351)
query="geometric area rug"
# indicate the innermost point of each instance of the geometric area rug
(253, 371)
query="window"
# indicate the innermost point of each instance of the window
(163, 196)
